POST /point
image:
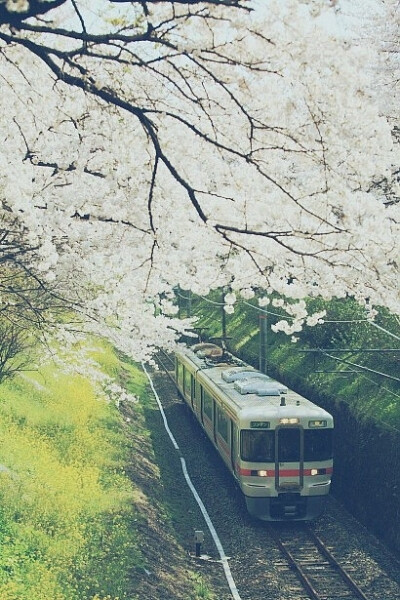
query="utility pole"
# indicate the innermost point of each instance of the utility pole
(262, 319)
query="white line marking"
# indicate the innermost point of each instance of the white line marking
(217, 541)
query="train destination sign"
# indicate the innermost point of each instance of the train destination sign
(259, 424)
(317, 423)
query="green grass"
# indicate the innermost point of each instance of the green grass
(66, 503)
(201, 589)
(84, 514)
(367, 394)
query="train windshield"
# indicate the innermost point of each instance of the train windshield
(257, 446)
(318, 444)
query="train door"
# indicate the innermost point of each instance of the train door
(193, 396)
(214, 419)
(201, 404)
(189, 388)
(179, 375)
(234, 446)
(192, 391)
(223, 434)
(208, 414)
(289, 458)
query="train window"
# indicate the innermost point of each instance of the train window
(222, 425)
(257, 446)
(187, 381)
(318, 444)
(288, 444)
(208, 405)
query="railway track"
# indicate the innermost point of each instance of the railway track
(166, 362)
(318, 571)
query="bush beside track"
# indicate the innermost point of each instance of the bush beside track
(366, 406)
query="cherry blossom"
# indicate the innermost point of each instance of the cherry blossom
(226, 144)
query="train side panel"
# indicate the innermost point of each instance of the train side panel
(217, 424)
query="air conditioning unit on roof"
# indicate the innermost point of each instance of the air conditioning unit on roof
(235, 373)
(260, 387)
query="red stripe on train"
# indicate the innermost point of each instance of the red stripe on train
(284, 472)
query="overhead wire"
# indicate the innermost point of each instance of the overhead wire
(362, 367)
(385, 330)
(281, 316)
(358, 369)
(366, 320)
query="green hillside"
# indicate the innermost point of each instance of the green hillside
(354, 375)
(66, 503)
(345, 359)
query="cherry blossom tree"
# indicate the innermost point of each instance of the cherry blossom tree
(237, 143)
(389, 80)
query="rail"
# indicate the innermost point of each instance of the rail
(317, 569)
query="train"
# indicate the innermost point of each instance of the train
(277, 444)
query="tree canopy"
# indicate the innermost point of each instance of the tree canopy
(245, 144)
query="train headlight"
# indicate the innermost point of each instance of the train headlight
(262, 473)
(317, 471)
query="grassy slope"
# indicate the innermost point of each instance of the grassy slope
(71, 515)
(367, 394)
(66, 502)
(84, 513)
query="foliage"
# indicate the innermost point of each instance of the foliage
(202, 590)
(26, 300)
(349, 363)
(67, 518)
(121, 169)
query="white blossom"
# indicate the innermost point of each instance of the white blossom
(230, 298)
(229, 309)
(288, 207)
(316, 318)
(17, 5)
(264, 301)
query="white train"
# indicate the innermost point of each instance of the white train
(277, 444)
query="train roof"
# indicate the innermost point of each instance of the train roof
(246, 391)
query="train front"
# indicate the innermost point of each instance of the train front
(286, 462)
